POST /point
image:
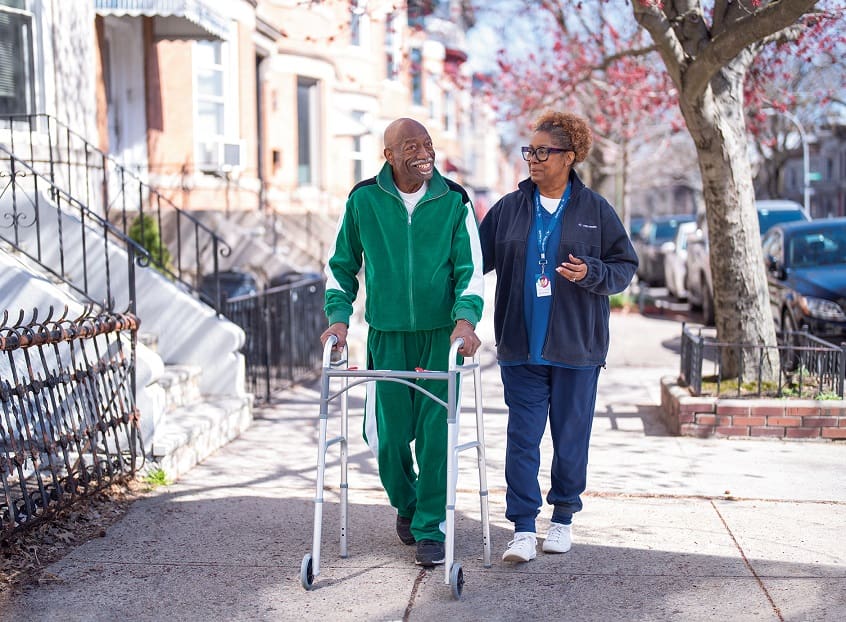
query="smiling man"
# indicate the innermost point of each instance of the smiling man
(415, 234)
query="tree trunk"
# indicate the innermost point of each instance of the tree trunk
(742, 310)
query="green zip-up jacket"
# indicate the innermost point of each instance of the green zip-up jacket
(420, 272)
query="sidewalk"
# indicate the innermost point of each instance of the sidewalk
(673, 528)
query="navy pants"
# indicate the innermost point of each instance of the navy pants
(567, 397)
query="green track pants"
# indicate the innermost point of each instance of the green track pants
(403, 415)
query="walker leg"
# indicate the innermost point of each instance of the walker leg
(310, 567)
(344, 469)
(452, 475)
(483, 469)
(318, 500)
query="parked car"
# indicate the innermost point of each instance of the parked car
(806, 277)
(292, 276)
(635, 225)
(653, 240)
(232, 283)
(675, 262)
(700, 287)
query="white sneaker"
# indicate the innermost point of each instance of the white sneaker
(522, 548)
(559, 538)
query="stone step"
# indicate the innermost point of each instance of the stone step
(150, 340)
(181, 384)
(191, 433)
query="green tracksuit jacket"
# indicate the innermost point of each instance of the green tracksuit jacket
(420, 272)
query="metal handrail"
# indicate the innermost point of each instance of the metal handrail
(120, 189)
(30, 210)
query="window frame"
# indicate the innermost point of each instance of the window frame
(226, 99)
(23, 50)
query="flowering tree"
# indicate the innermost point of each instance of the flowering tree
(706, 49)
(802, 80)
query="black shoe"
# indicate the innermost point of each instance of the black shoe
(404, 530)
(429, 553)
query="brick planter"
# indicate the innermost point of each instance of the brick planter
(686, 415)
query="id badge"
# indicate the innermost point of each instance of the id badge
(543, 286)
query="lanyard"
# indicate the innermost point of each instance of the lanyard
(543, 236)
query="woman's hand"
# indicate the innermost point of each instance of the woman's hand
(573, 270)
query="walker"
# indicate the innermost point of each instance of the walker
(453, 574)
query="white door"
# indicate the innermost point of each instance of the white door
(124, 69)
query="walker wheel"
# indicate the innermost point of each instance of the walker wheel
(456, 581)
(306, 574)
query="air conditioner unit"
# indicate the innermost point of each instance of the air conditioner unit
(232, 155)
(220, 155)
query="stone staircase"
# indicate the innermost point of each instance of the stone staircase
(182, 423)
(195, 425)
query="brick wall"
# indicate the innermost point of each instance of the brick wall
(702, 417)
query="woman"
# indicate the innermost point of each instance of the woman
(559, 250)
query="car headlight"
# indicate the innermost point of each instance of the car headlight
(821, 308)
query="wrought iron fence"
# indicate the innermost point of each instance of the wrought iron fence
(190, 249)
(283, 326)
(808, 367)
(68, 422)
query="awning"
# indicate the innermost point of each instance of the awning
(172, 19)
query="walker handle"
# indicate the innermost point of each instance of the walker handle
(453, 351)
(328, 348)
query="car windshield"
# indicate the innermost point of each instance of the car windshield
(666, 230)
(767, 218)
(818, 248)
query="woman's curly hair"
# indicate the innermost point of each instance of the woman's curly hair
(569, 131)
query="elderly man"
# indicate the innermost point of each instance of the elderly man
(423, 280)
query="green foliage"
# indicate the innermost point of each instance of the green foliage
(155, 478)
(621, 301)
(145, 231)
(790, 389)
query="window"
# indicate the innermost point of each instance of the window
(306, 130)
(16, 64)
(357, 154)
(356, 13)
(417, 76)
(449, 112)
(392, 48)
(211, 120)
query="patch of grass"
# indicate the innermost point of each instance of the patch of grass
(155, 478)
(728, 387)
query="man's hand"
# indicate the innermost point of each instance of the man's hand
(464, 330)
(339, 329)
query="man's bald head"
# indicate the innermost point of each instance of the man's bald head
(399, 129)
(410, 153)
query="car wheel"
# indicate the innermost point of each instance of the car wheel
(707, 306)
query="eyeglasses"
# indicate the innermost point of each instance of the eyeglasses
(541, 153)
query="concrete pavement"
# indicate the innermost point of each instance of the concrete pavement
(673, 528)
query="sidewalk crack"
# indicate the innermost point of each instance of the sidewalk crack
(421, 577)
(746, 561)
